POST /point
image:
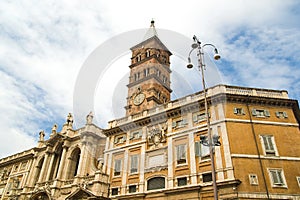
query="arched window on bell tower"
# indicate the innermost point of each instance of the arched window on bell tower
(146, 72)
(147, 53)
(138, 58)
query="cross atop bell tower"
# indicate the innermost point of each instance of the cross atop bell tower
(149, 81)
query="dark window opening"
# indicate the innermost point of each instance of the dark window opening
(182, 181)
(156, 183)
(207, 177)
(114, 191)
(132, 188)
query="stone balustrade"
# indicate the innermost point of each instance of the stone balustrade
(218, 89)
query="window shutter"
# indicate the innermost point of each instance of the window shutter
(131, 136)
(254, 112)
(183, 152)
(235, 110)
(197, 148)
(280, 177)
(195, 118)
(267, 113)
(204, 150)
(134, 163)
(270, 142)
(274, 177)
(173, 124)
(277, 177)
(116, 140)
(177, 153)
(243, 112)
(265, 142)
(285, 115)
(117, 165)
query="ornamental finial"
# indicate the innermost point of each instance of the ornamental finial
(152, 23)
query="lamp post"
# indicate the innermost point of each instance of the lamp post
(210, 140)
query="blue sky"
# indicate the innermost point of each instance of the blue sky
(43, 45)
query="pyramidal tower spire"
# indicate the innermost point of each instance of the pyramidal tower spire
(151, 31)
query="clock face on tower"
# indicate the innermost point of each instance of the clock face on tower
(138, 99)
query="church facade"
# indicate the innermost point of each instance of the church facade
(155, 152)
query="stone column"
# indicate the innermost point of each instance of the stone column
(124, 171)
(192, 159)
(32, 172)
(170, 163)
(142, 168)
(62, 162)
(50, 167)
(44, 168)
(83, 158)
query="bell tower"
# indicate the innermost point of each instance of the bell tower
(149, 81)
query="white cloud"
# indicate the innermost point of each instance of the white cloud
(44, 44)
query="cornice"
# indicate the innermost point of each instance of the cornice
(187, 104)
(166, 66)
(148, 78)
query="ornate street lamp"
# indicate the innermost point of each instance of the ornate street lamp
(209, 140)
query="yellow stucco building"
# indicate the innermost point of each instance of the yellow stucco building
(154, 152)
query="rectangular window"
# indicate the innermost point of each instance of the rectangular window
(201, 150)
(281, 115)
(120, 139)
(132, 188)
(117, 170)
(239, 111)
(182, 181)
(197, 117)
(269, 145)
(134, 161)
(179, 123)
(136, 135)
(207, 177)
(253, 179)
(277, 177)
(260, 113)
(114, 191)
(181, 154)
